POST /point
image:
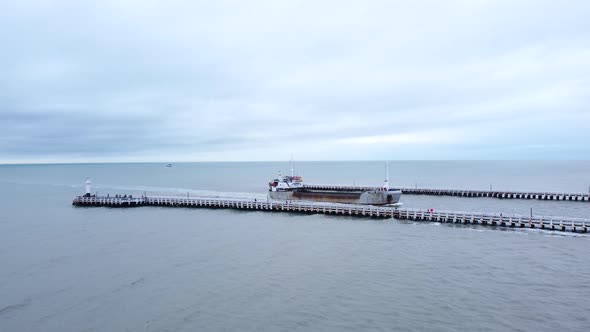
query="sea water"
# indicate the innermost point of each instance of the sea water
(65, 268)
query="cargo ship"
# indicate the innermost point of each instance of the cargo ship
(291, 187)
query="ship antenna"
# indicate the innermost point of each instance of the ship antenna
(292, 170)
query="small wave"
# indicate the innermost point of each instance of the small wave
(14, 307)
(548, 232)
(137, 282)
(473, 229)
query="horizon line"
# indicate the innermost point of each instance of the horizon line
(279, 161)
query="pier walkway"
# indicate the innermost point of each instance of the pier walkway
(470, 218)
(551, 196)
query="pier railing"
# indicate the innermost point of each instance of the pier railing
(456, 217)
(551, 196)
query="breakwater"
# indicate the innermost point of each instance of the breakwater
(381, 212)
(548, 196)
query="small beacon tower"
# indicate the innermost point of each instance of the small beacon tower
(88, 184)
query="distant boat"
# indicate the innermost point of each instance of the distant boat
(168, 165)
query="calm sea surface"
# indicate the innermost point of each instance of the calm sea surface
(160, 269)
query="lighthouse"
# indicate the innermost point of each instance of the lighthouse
(88, 184)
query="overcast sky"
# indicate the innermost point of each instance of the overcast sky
(88, 81)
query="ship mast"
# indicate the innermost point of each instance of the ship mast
(386, 183)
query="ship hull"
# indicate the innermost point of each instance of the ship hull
(349, 197)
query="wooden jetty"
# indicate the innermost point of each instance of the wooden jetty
(549, 196)
(382, 212)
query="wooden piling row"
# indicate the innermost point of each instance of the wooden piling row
(549, 196)
(499, 220)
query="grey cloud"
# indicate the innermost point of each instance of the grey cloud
(205, 80)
